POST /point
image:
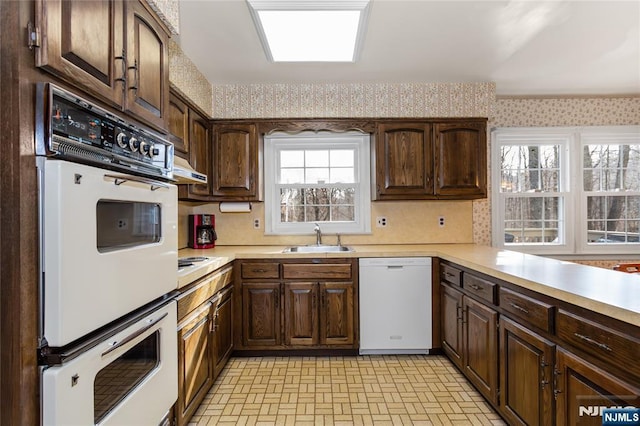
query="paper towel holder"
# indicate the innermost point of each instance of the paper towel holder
(235, 207)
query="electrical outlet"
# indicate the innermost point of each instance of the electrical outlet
(123, 224)
(381, 221)
(441, 221)
(256, 223)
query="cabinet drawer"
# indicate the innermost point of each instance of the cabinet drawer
(260, 270)
(196, 296)
(483, 289)
(611, 346)
(316, 272)
(450, 274)
(533, 311)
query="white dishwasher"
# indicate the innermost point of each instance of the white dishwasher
(395, 305)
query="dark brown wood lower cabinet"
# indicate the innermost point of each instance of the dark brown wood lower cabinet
(301, 313)
(195, 369)
(526, 375)
(480, 337)
(582, 388)
(336, 314)
(261, 314)
(451, 324)
(223, 328)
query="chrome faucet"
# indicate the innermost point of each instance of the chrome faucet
(318, 232)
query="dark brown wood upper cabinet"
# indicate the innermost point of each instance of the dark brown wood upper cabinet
(178, 124)
(417, 160)
(404, 161)
(460, 160)
(199, 158)
(236, 167)
(112, 49)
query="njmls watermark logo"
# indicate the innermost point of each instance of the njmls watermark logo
(612, 416)
(625, 413)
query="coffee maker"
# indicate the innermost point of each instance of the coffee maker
(202, 233)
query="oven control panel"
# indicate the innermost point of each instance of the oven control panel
(78, 130)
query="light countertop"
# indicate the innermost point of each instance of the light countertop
(611, 293)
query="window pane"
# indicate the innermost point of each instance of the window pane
(526, 168)
(532, 220)
(289, 213)
(316, 158)
(343, 213)
(319, 175)
(613, 219)
(342, 175)
(343, 195)
(291, 176)
(342, 158)
(317, 213)
(291, 158)
(316, 196)
(611, 167)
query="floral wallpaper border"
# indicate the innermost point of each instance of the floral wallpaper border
(353, 100)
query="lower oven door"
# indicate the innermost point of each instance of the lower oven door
(129, 378)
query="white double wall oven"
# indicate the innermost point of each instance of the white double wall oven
(108, 263)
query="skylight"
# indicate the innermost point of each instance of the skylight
(310, 31)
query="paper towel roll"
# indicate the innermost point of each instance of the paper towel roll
(244, 207)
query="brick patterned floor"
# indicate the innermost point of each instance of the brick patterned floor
(363, 390)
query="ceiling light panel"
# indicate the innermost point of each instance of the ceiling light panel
(310, 31)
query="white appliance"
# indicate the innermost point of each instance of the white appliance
(395, 305)
(109, 246)
(128, 378)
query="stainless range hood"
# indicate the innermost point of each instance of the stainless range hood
(183, 173)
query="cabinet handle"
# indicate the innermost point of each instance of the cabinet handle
(476, 287)
(593, 342)
(449, 275)
(543, 366)
(519, 308)
(277, 297)
(259, 271)
(556, 373)
(135, 75)
(122, 58)
(458, 312)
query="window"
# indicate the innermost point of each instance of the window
(565, 191)
(317, 178)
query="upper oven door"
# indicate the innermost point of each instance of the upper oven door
(109, 246)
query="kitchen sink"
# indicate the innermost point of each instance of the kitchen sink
(317, 249)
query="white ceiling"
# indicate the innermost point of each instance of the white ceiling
(525, 47)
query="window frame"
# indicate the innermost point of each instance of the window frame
(575, 208)
(275, 142)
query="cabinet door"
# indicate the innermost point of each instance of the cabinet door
(461, 160)
(223, 326)
(195, 370)
(581, 390)
(261, 314)
(147, 91)
(526, 370)
(336, 313)
(199, 156)
(82, 43)
(178, 124)
(235, 162)
(480, 337)
(301, 313)
(404, 158)
(451, 323)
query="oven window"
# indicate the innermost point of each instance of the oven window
(115, 381)
(124, 224)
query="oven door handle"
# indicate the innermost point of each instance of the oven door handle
(133, 335)
(119, 180)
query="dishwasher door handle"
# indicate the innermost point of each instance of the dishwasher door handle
(395, 266)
